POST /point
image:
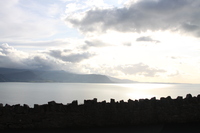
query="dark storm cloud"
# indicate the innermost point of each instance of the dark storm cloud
(140, 69)
(175, 15)
(68, 56)
(146, 39)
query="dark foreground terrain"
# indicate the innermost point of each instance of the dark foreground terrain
(167, 128)
(144, 115)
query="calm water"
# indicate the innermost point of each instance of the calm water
(41, 93)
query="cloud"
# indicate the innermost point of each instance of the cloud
(68, 56)
(69, 60)
(178, 57)
(94, 43)
(21, 22)
(127, 70)
(173, 57)
(12, 58)
(41, 62)
(174, 74)
(39, 44)
(146, 39)
(81, 5)
(78, 57)
(54, 59)
(141, 16)
(127, 44)
(140, 69)
(190, 27)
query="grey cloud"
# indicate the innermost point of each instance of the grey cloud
(173, 57)
(55, 53)
(77, 57)
(94, 43)
(99, 43)
(147, 39)
(144, 38)
(142, 16)
(38, 62)
(12, 58)
(191, 28)
(127, 44)
(66, 55)
(6, 61)
(140, 69)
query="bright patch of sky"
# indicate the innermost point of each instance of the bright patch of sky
(141, 40)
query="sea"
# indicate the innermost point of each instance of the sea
(41, 93)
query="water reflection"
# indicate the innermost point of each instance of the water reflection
(145, 86)
(143, 90)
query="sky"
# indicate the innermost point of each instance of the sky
(140, 40)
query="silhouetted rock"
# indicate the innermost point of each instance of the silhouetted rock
(188, 96)
(101, 114)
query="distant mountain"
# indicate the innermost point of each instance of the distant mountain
(3, 78)
(22, 76)
(63, 76)
(93, 78)
(25, 75)
(121, 80)
(10, 70)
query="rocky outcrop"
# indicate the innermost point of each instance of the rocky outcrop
(101, 114)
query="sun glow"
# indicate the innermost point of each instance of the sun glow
(145, 86)
(142, 90)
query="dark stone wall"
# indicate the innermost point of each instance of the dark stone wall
(101, 114)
